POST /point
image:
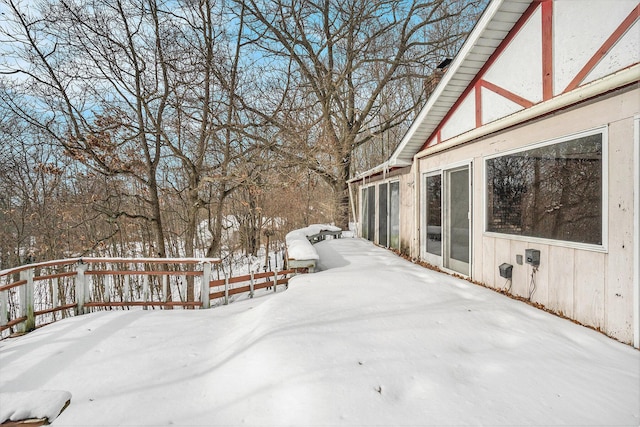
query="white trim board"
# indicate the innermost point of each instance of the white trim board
(636, 245)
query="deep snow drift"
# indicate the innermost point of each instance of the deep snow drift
(371, 340)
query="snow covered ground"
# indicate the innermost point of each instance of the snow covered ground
(371, 340)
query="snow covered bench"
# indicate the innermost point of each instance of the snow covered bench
(32, 408)
(300, 251)
(322, 234)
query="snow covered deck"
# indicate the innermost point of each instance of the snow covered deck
(370, 340)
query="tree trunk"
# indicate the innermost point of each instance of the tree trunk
(341, 194)
(215, 229)
(160, 245)
(190, 233)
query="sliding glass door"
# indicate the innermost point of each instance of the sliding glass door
(457, 220)
(447, 219)
(434, 214)
(394, 215)
(369, 213)
(383, 234)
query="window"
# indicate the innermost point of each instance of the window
(553, 191)
(382, 215)
(394, 215)
(434, 214)
(369, 213)
(386, 208)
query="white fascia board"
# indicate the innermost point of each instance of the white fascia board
(396, 163)
(377, 169)
(383, 167)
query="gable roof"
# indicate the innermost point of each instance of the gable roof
(494, 25)
(455, 112)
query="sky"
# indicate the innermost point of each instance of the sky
(371, 339)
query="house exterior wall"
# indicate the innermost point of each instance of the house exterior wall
(591, 285)
(565, 69)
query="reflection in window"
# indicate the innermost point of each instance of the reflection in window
(369, 213)
(552, 192)
(366, 214)
(394, 215)
(382, 215)
(371, 209)
(458, 214)
(434, 214)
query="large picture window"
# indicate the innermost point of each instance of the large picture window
(553, 191)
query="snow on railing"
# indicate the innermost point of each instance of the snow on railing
(36, 294)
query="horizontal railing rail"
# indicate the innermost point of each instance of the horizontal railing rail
(37, 294)
(224, 289)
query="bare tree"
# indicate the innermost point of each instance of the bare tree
(47, 204)
(98, 75)
(342, 61)
(128, 89)
(152, 117)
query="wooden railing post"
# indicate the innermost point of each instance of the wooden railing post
(251, 284)
(26, 302)
(82, 286)
(126, 293)
(204, 287)
(4, 308)
(165, 284)
(275, 280)
(226, 289)
(146, 290)
(55, 299)
(107, 283)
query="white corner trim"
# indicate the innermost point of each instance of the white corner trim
(636, 222)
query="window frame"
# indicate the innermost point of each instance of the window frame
(376, 223)
(363, 209)
(390, 225)
(604, 131)
(382, 221)
(425, 212)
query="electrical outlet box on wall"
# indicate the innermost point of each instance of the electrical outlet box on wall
(532, 257)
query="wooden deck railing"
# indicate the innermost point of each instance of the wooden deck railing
(268, 279)
(36, 294)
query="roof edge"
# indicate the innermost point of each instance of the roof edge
(476, 33)
(383, 167)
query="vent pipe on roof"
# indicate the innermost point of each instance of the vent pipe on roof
(432, 81)
(444, 64)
